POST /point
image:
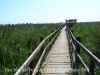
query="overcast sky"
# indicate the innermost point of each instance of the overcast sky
(43, 11)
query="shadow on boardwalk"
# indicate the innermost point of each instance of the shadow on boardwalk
(59, 60)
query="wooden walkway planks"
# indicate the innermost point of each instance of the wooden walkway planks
(58, 60)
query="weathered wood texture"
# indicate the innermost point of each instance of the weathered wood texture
(21, 70)
(93, 58)
(58, 60)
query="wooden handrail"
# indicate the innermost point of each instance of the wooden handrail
(89, 54)
(21, 70)
(92, 56)
(40, 60)
(83, 63)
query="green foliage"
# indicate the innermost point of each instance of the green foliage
(16, 41)
(90, 36)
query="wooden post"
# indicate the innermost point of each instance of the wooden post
(92, 65)
(53, 37)
(53, 34)
(57, 31)
(77, 49)
(71, 36)
(50, 41)
(31, 66)
(42, 48)
(68, 33)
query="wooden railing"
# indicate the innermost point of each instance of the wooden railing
(43, 50)
(76, 41)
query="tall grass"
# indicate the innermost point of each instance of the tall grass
(16, 41)
(90, 36)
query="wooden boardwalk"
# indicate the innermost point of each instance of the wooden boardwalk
(58, 60)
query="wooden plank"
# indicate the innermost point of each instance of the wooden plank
(31, 57)
(58, 59)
